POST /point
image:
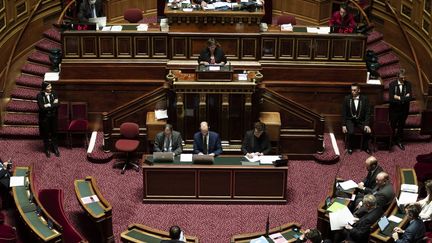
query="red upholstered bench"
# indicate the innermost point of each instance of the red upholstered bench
(52, 201)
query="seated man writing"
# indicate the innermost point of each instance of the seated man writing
(168, 141)
(256, 142)
(207, 142)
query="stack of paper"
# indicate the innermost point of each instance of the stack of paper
(142, 27)
(90, 199)
(261, 239)
(347, 185)
(209, 7)
(409, 188)
(323, 30)
(116, 28)
(268, 159)
(407, 195)
(340, 218)
(185, 157)
(16, 181)
(286, 27)
(106, 28)
(312, 29)
(278, 238)
(161, 114)
(51, 76)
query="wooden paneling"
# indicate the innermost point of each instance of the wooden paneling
(124, 47)
(107, 47)
(142, 46)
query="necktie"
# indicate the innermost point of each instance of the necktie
(205, 144)
(167, 144)
(93, 11)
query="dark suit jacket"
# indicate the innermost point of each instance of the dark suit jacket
(370, 180)
(249, 143)
(171, 241)
(47, 111)
(214, 143)
(414, 232)
(85, 10)
(361, 229)
(4, 177)
(219, 55)
(305, 240)
(362, 114)
(176, 143)
(384, 195)
(403, 104)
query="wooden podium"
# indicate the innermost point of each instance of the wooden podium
(214, 73)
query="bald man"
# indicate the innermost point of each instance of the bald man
(207, 142)
(383, 192)
(373, 169)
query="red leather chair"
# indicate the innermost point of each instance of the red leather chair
(286, 19)
(381, 126)
(52, 201)
(128, 144)
(79, 121)
(133, 15)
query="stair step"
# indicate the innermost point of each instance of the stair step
(39, 57)
(24, 93)
(413, 121)
(387, 59)
(46, 45)
(29, 81)
(22, 106)
(19, 132)
(379, 47)
(413, 135)
(389, 70)
(35, 69)
(21, 119)
(374, 36)
(53, 33)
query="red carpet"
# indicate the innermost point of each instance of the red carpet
(308, 183)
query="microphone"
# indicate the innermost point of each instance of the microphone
(267, 225)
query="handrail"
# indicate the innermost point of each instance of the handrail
(12, 54)
(413, 53)
(60, 19)
(361, 11)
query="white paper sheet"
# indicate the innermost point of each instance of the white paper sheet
(185, 157)
(278, 238)
(407, 197)
(323, 30)
(116, 28)
(312, 29)
(346, 185)
(187, 9)
(395, 219)
(214, 68)
(409, 188)
(261, 239)
(142, 27)
(51, 76)
(161, 114)
(268, 159)
(340, 218)
(16, 181)
(90, 199)
(287, 27)
(242, 77)
(106, 28)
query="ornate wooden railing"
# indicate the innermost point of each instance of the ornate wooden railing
(62, 14)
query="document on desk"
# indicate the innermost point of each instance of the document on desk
(261, 239)
(142, 27)
(323, 30)
(340, 218)
(185, 157)
(116, 28)
(312, 29)
(347, 185)
(395, 219)
(214, 68)
(409, 188)
(268, 159)
(161, 114)
(16, 181)
(209, 7)
(90, 199)
(278, 238)
(336, 206)
(407, 197)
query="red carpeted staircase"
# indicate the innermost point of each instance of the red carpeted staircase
(21, 118)
(389, 69)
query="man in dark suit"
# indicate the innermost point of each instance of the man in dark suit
(383, 192)
(313, 235)
(399, 98)
(373, 169)
(415, 230)
(90, 9)
(168, 141)
(360, 230)
(5, 175)
(175, 235)
(207, 142)
(48, 104)
(356, 113)
(256, 141)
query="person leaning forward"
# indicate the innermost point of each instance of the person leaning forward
(207, 142)
(168, 141)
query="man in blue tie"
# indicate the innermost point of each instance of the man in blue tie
(207, 142)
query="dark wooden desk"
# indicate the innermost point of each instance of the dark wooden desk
(287, 230)
(226, 180)
(214, 20)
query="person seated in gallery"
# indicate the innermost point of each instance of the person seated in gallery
(176, 235)
(356, 114)
(426, 203)
(373, 169)
(7, 232)
(383, 192)
(168, 141)
(361, 229)
(415, 230)
(207, 142)
(342, 21)
(212, 54)
(90, 9)
(256, 142)
(311, 235)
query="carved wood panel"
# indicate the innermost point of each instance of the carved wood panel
(71, 47)
(106, 46)
(160, 46)
(304, 49)
(286, 48)
(249, 48)
(89, 46)
(142, 46)
(124, 46)
(356, 50)
(322, 49)
(268, 47)
(179, 48)
(339, 49)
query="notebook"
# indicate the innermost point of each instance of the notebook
(383, 223)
